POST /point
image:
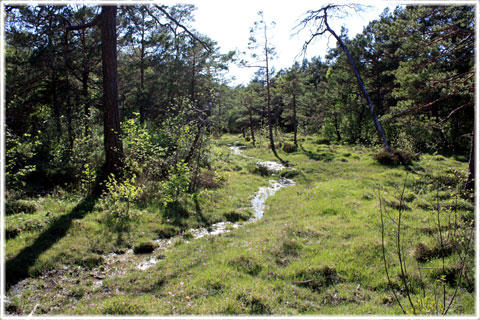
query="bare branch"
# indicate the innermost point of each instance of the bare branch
(158, 21)
(203, 43)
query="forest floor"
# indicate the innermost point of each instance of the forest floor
(316, 250)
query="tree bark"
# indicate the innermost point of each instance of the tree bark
(112, 140)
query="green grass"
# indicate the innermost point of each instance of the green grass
(317, 249)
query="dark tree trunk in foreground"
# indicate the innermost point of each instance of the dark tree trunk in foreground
(112, 140)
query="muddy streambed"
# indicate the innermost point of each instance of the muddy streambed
(119, 263)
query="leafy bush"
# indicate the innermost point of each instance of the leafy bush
(19, 152)
(118, 198)
(143, 155)
(261, 170)
(177, 183)
(88, 179)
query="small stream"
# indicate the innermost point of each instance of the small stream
(257, 204)
(119, 263)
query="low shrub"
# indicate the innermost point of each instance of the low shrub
(261, 170)
(423, 253)
(386, 157)
(19, 206)
(289, 148)
(209, 179)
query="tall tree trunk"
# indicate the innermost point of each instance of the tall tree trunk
(142, 72)
(269, 101)
(250, 120)
(192, 93)
(360, 85)
(295, 124)
(112, 140)
(470, 184)
(55, 105)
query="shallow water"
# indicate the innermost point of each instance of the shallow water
(258, 202)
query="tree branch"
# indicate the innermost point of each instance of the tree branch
(95, 21)
(203, 43)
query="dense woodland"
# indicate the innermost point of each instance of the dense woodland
(130, 100)
(417, 64)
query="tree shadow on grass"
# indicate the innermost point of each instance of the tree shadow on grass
(17, 268)
(324, 156)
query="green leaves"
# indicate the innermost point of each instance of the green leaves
(177, 183)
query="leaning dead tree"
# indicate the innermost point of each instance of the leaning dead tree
(317, 22)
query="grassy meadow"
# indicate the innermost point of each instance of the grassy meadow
(316, 251)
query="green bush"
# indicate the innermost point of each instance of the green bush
(177, 183)
(118, 198)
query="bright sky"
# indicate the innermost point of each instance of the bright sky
(229, 23)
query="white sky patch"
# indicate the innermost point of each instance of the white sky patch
(229, 22)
